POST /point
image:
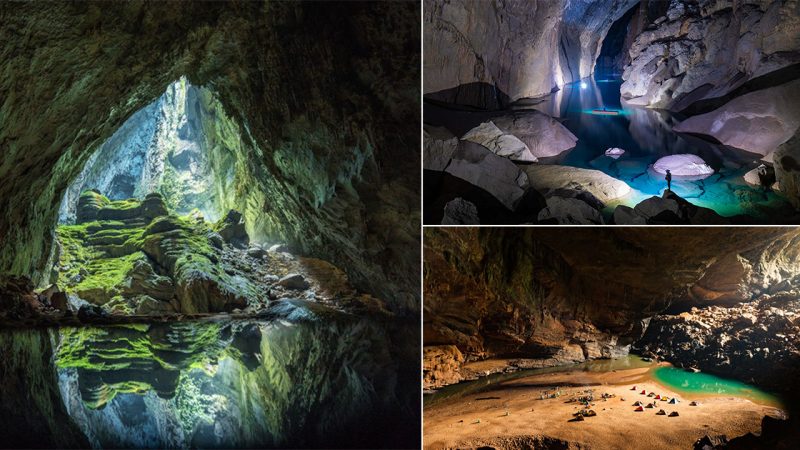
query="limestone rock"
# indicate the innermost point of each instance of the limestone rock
(683, 165)
(570, 211)
(294, 281)
(543, 135)
(495, 174)
(667, 209)
(362, 166)
(89, 204)
(550, 177)
(499, 142)
(232, 229)
(787, 169)
(625, 215)
(757, 122)
(441, 365)
(438, 146)
(460, 212)
(705, 50)
(488, 54)
(256, 252)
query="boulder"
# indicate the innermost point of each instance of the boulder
(460, 212)
(787, 169)
(761, 176)
(294, 281)
(256, 252)
(499, 142)
(683, 165)
(543, 135)
(569, 211)
(625, 215)
(757, 122)
(496, 175)
(668, 209)
(438, 146)
(232, 229)
(605, 188)
(614, 152)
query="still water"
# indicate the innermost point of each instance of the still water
(689, 384)
(304, 380)
(646, 135)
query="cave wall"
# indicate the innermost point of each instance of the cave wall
(706, 49)
(326, 96)
(489, 53)
(582, 293)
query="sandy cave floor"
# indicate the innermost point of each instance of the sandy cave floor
(453, 422)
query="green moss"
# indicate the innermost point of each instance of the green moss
(105, 277)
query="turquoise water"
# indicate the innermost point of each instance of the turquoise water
(690, 383)
(646, 135)
(682, 381)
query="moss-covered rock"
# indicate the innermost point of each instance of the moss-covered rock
(139, 258)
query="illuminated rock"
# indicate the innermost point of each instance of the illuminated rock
(545, 177)
(499, 142)
(615, 152)
(496, 175)
(543, 135)
(683, 165)
(757, 122)
(693, 54)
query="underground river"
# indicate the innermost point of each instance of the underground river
(539, 406)
(645, 135)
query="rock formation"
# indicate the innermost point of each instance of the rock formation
(757, 122)
(706, 49)
(690, 166)
(329, 156)
(546, 178)
(537, 297)
(132, 257)
(669, 209)
(481, 53)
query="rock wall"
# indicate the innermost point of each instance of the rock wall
(708, 48)
(490, 53)
(548, 294)
(332, 153)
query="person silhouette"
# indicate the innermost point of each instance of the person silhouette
(669, 180)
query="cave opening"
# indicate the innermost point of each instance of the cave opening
(613, 56)
(182, 145)
(137, 310)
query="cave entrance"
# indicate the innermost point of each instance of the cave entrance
(182, 146)
(613, 54)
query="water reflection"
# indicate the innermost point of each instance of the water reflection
(646, 135)
(235, 384)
